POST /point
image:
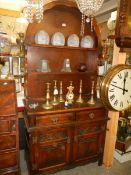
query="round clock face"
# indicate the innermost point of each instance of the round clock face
(116, 88)
(70, 96)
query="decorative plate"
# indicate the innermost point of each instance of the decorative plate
(73, 40)
(58, 39)
(42, 37)
(87, 42)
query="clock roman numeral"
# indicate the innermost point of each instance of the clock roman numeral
(121, 104)
(111, 90)
(120, 76)
(114, 82)
(116, 102)
(112, 97)
(126, 74)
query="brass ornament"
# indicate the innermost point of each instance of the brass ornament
(47, 104)
(80, 99)
(91, 101)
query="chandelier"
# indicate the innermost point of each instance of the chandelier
(34, 11)
(88, 8)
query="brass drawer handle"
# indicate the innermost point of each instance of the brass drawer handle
(54, 120)
(91, 115)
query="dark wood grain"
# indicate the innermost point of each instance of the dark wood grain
(9, 142)
(123, 26)
(62, 137)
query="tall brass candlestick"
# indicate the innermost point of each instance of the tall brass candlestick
(47, 105)
(61, 99)
(80, 99)
(91, 100)
(55, 93)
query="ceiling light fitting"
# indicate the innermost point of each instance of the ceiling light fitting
(34, 11)
(88, 8)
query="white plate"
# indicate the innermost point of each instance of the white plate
(42, 37)
(58, 39)
(73, 40)
(87, 42)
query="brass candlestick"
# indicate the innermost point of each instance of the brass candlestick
(91, 100)
(61, 99)
(55, 93)
(98, 87)
(47, 105)
(20, 42)
(80, 99)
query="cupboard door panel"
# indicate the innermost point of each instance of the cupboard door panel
(89, 141)
(92, 128)
(7, 126)
(52, 155)
(86, 147)
(52, 134)
(8, 159)
(7, 94)
(7, 142)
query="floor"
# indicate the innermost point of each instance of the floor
(90, 169)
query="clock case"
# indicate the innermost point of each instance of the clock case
(106, 81)
(123, 26)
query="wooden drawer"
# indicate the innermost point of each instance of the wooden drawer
(7, 142)
(55, 119)
(7, 125)
(91, 115)
(8, 159)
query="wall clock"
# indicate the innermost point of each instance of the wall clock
(116, 88)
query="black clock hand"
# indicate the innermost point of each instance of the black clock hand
(124, 83)
(125, 90)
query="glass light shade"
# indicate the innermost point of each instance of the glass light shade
(34, 11)
(89, 7)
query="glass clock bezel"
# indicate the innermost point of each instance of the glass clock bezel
(106, 83)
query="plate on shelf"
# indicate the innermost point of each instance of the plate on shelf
(73, 40)
(42, 37)
(58, 39)
(87, 42)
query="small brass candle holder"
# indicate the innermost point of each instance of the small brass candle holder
(47, 104)
(91, 100)
(80, 99)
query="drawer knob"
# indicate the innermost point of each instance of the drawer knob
(91, 115)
